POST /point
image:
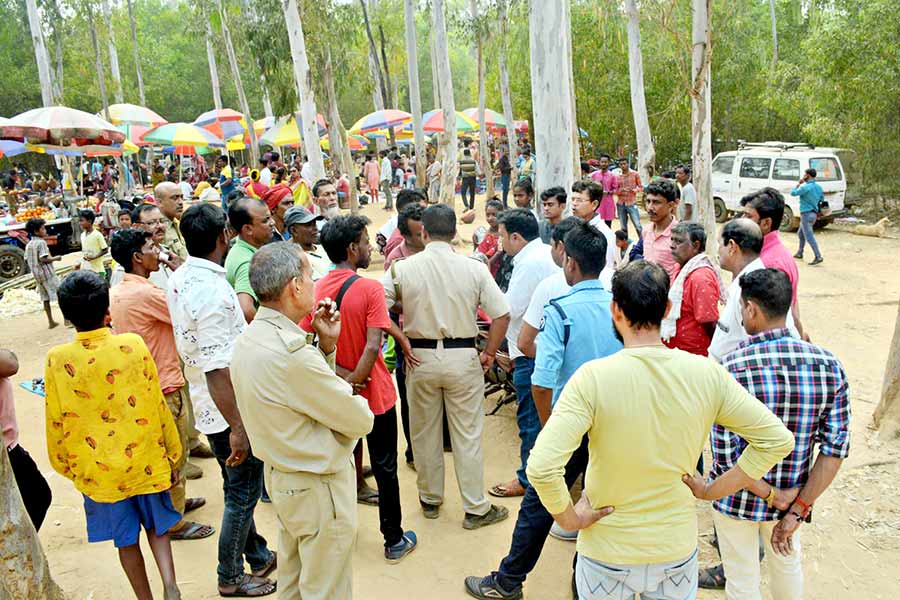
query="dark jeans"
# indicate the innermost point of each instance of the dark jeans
(382, 443)
(468, 183)
(526, 413)
(33, 487)
(238, 538)
(533, 526)
(504, 185)
(805, 233)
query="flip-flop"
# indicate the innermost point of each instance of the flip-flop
(501, 491)
(193, 504)
(367, 496)
(270, 566)
(192, 531)
(251, 587)
(712, 578)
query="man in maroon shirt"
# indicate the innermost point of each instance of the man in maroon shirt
(694, 294)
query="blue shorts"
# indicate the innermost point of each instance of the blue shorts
(121, 521)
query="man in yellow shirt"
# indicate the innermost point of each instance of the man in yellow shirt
(110, 431)
(646, 411)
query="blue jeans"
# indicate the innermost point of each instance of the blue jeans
(238, 538)
(629, 211)
(504, 185)
(805, 233)
(526, 413)
(533, 526)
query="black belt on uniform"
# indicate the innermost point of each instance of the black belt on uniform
(448, 343)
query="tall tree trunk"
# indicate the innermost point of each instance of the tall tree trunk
(484, 156)
(40, 52)
(646, 151)
(551, 94)
(304, 89)
(236, 75)
(391, 98)
(58, 51)
(701, 121)
(449, 140)
(435, 86)
(24, 571)
(98, 60)
(511, 137)
(774, 35)
(137, 55)
(336, 132)
(113, 54)
(415, 99)
(266, 99)
(887, 413)
(213, 68)
(373, 57)
(576, 134)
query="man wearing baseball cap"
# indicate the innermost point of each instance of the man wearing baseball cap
(302, 225)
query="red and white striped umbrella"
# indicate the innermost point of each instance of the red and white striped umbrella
(61, 125)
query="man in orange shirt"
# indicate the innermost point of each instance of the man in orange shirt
(138, 306)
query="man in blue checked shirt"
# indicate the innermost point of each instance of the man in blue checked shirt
(805, 386)
(577, 328)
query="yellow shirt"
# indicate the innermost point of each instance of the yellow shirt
(109, 429)
(92, 244)
(647, 413)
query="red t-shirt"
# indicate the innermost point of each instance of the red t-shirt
(363, 306)
(699, 304)
(392, 242)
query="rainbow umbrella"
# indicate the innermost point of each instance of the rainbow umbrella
(132, 114)
(59, 125)
(263, 125)
(182, 134)
(492, 119)
(433, 120)
(187, 150)
(356, 142)
(12, 148)
(381, 119)
(123, 149)
(222, 122)
(287, 131)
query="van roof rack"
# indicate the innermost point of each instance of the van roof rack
(774, 145)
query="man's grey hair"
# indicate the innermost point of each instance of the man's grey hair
(273, 267)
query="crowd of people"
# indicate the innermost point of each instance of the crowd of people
(247, 320)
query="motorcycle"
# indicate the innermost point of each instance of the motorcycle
(499, 378)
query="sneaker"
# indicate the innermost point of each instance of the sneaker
(431, 511)
(487, 588)
(817, 261)
(395, 553)
(494, 515)
(798, 256)
(563, 534)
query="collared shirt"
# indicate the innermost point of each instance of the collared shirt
(92, 244)
(319, 263)
(137, 306)
(810, 194)
(699, 306)
(688, 198)
(804, 386)
(386, 170)
(531, 265)
(629, 186)
(607, 180)
(8, 423)
(435, 306)
(299, 415)
(647, 413)
(398, 253)
(603, 228)
(393, 240)
(775, 255)
(265, 176)
(109, 428)
(42, 272)
(591, 335)
(206, 319)
(174, 241)
(658, 248)
(730, 329)
(237, 268)
(389, 227)
(545, 229)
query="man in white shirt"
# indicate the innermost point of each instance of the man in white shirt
(688, 194)
(385, 180)
(532, 263)
(206, 320)
(586, 198)
(265, 174)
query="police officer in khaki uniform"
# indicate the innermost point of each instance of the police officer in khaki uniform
(439, 292)
(303, 422)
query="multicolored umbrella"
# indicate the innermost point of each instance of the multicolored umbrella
(182, 134)
(287, 131)
(12, 147)
(492, 119)
(263, 125)
(132, 114)
(59, 125)
(187, 150)
(223, 123)
(381, 119)
(135, 133)
(123, 149)
(433, 120)
(356, 142)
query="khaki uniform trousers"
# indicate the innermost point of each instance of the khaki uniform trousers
(179, 403)
(317, 530)
(450, 378)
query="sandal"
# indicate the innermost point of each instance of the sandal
(193, 504)
(367, 496)
(192, 531)
(250, 587)
(712, 578)
(507, 490)
(270, 566)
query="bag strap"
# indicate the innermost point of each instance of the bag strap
(340, 296)
(564, 316)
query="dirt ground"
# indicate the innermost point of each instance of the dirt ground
(851, 550)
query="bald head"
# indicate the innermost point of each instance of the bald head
(170, 199)
(741, 243)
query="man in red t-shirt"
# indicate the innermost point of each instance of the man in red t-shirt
(694, 294)
(364, 320)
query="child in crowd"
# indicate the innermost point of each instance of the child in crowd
(623, 249)
(37, 255)
(110, 431)
(124, 219)
(487, 248)
(93, 246)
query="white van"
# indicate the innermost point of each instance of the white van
(779, 165)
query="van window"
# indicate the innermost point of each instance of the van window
(827, 169)
(786, 169)
(756, 168)
(723, 165)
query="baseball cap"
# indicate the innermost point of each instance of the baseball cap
(299, 215)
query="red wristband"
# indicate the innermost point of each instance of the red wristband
(806, 507)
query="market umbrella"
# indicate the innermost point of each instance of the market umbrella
(356, 142)
(492, 119)
(182, 134)
(122, 149)
(136, 133)
(12, 147)
(59, 125)
(132, 114)
(187, 150)
(263, 125)
(433, 120)
(222, 122)
(381, 119)
(287, 131)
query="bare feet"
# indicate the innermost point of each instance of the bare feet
(510, 489)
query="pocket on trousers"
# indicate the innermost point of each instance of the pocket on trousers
(600, 582)
(680, 582)
(298, 509)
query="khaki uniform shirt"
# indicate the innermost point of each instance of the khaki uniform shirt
(173, 240)
(298, 414)
(441, 291)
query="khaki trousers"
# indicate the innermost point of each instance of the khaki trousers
(739, 546)
(451, 378)
(179, 404)
(317, 530)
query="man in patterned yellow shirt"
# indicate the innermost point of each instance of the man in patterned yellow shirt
(110, 431)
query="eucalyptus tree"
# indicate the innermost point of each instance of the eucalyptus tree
(238, 83)
(40, 52)
(137, 54)
(449, 139)
(505, 95)
(113, 53)
(415, 99)
(646, 151)
(484, 157)
(701, 120)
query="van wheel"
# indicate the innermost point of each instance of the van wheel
(720, 210)
(787, 221)
(822, 223)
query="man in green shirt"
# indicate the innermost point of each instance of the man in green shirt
(647, 411)
(252, 221)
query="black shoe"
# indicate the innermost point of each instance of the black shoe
(431, 511)
(799, 256)
(494, 515)
(817, 261)
(487, 588)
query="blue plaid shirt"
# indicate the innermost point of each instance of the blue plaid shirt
(805, 386)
